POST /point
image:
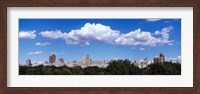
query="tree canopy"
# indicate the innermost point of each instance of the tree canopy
(116, 67)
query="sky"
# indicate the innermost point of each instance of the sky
(102, 39)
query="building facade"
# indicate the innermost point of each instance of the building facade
(28, 62)
(52, 59)
(162, 58)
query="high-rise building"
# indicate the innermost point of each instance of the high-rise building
(162, 58)
(46, 62)
(156, 59)
(61, 60)
(145, 63)
(87, 60)
(28, 62)
(52, 59)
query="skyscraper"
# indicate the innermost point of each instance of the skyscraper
(162, 58)
(52, 59)
(28, 62)
(156, 59)
(87, 60)
(61, 60)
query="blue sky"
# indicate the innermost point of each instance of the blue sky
(102, 39)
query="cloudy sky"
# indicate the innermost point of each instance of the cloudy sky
(102, 39)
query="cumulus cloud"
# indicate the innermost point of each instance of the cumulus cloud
(136, 38)
(27, 34)
(42, 44)
(100, 33)
(165, 35)
(144, 38)
(52, 34)
(34, 53)
(91, 33)
(152, 20)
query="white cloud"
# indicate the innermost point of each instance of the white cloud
(176, 59)
(141, 49)
(165, 34)
(104, 34)
(136, 38)
(27, 34)
(152, 20)
(52, 34)
(170, 43)
(42, 44)
(91, 33)
(144, 38)
(34, 53)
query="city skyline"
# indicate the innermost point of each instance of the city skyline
(103, 39)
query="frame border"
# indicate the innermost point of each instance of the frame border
(96, 3)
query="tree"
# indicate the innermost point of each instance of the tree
(77, 70)
(56, 72)
(47, 70)
(156, 69)
(22, 70)
(30, 71)
(66, 71)
(133, 70)
(92, 70)
(118, 67)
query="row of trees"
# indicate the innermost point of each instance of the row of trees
(119, 67)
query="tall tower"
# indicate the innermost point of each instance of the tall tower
(61, 60)
(87, 60)
(28, 62)
(52, 58)
(162, 58)
(156, 59)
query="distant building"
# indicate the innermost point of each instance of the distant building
(162, 58)
(28, 62)
(141, 63)
(145, 62)
(46, 62)
(52, 59)
(116, 59)
(156, 59)
(87, 60)
(60, 62)
(70, 63)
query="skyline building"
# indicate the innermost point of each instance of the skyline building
(87, 60)
(141, 63)
(162, 58)
(156, 59)
(52, 59)
(28, 62)
(61, 60)
(145, 62)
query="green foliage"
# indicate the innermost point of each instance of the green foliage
(116, 67)
(93, 71)
(56, 72)
(166, 68)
